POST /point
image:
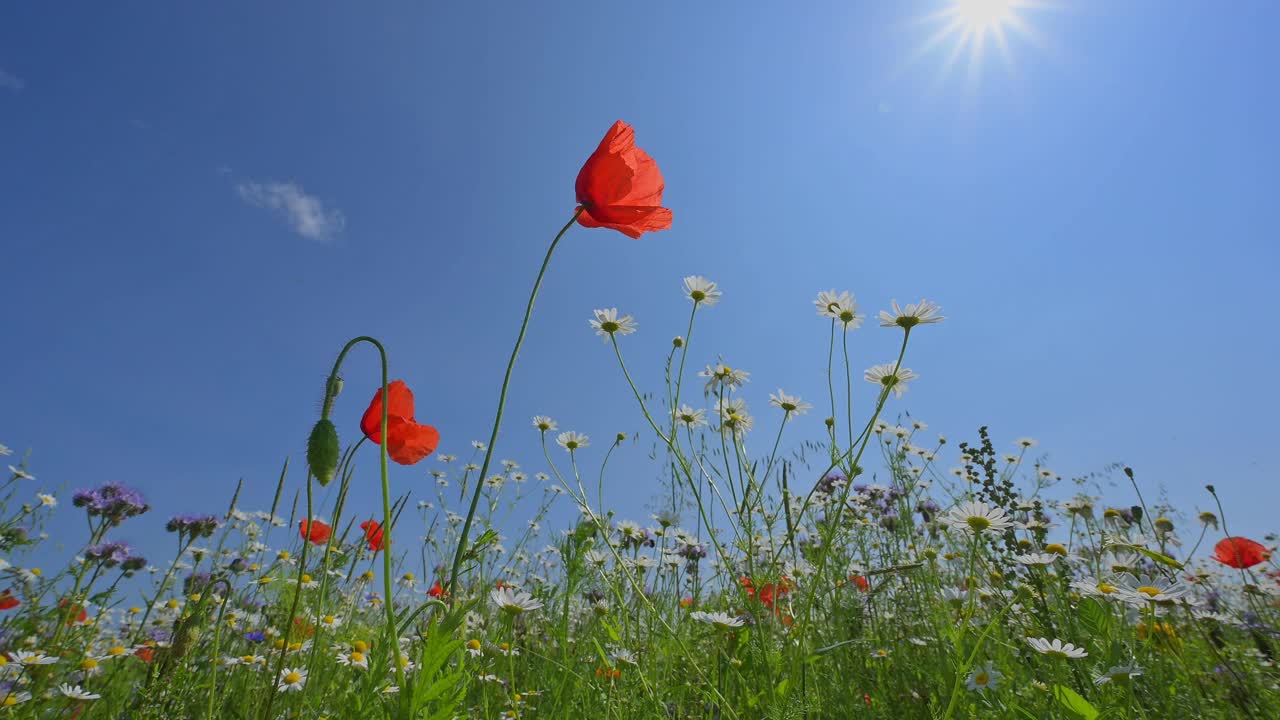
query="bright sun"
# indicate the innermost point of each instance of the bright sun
(971, 26)
(982, 14)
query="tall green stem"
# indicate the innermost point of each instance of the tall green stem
(502, 403)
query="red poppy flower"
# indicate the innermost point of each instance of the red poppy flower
(437, 591)
(372, 534)
(8, 601)
(74, 613)
(861, 581)
(314, 531)
(620, 186)
(407, 441)
(1238, 552)
(145, 654)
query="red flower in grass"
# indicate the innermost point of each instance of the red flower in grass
(407, 441)
(437, 591)
(372, 534)
(314, 531)
(8, 601)
(145, 654)
(1238, 552)
(861, 581)
(74, 613)
(620, 186)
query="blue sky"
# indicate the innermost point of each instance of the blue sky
(1090, 210)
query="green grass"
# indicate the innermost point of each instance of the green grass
(769, 585)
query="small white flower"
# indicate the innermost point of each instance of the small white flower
(1118, 674)
(25, 658)
(977, 517)
(515, 602)
(572, 440)
(47, 500)
(789, 404)
(1025, 443)
(701, 290)
(840, 307)
(885, 376)
(984, 678)
(607, 323)
(544, 423)
(1036, 559)
(922, 313)
(722, 621)
(689, 417)
(1056, 648)
(75, 692)
(292, 679)
(354, 659)
(20, 473)
(723, 376)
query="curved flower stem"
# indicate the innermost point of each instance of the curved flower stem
(502, 402)
(330, 394)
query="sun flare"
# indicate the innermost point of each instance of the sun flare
(969, 27)
(981, 14)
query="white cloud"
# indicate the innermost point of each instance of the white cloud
(306, 213)
(9, 81)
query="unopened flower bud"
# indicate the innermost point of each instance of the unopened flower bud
(323, 451)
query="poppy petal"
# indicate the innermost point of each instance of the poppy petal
(408, 442)
(400, 405)
(620, 186)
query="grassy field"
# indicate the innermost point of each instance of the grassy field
(875, 571)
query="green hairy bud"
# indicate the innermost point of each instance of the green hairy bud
(322, 451)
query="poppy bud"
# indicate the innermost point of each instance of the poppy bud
(1136, 512)
(322, 451)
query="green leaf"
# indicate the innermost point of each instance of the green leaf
(1162, 559)
(1072, 701)
(1095, 617)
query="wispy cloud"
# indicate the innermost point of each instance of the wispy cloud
(305, 212)
(9, 81)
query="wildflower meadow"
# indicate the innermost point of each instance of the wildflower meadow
(874, 570)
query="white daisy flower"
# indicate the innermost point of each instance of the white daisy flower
(25, 658)
(1056, 648)
(885, 376)
(984, 678)
(921, 313)
(723, 376)
(789, 404)
(75, 692)
(689, 417)
(292, 679)
(701, 290)
(840, 307)
(721, 621)
(607, 323)
(1118, 674)
(544, 423)
(1035, 559)
(572, 440)
(513, 601)
(977, 517)
(355, 659)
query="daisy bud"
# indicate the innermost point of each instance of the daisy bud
(1164, 524)
(677, 341)
(322, 451)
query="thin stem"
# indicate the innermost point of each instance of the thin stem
(502, 403)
